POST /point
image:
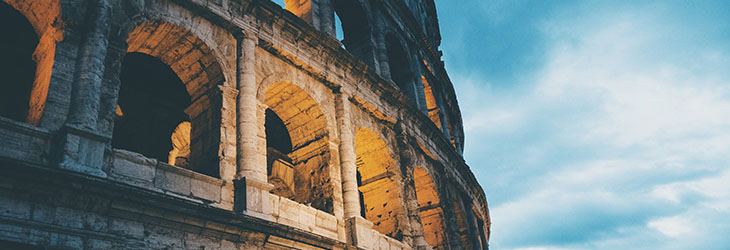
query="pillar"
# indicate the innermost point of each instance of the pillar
(417, 82)
(247, 130)
(318, 13)
(471, 222)
(347, 157)
(251, 185)
(228, 144)
(83, 145)
(381, 50)
(415, 234)
(359, 230)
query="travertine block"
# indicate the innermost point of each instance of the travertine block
(172, 182)
(326, 221)
(307, 217)
(205, 189)
(134, 165)
(289, 212)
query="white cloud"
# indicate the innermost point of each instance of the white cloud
(652, 130)
(674, 226)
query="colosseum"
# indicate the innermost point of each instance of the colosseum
(231, 124)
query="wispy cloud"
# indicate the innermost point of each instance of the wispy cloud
(618, 140)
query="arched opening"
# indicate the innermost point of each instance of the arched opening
(377, 171)
(16, 63)
(429, 205)
(297, 141)
(278, 148)
(27, 48)
(168, 102)
(151, 109)
(431, 105)
(355, 29)
(400, 67)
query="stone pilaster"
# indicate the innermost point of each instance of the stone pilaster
(247, 129)
(228, 149)
(251, 184)
(471, 223)
(381, 51)
(318, 13)
(326, 14)
(415, 234)
(83, 148)
(347, 157)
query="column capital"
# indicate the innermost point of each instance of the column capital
(247, 33)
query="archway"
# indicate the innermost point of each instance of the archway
(355, 28)
(400, 67)
(297, 141)
(429, 204)
(176, 81)
(377, 173)
(150, 117)
(431, 105)
(28, 50)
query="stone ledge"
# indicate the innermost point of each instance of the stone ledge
(136, 169)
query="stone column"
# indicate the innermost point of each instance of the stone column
(251, 185)
(347, 157)
(381, 51)
(83, 149)
(326, 17)
(318, 13)
(417, 82)
(247, 131)
(471, 223)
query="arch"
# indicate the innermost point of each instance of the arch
(400, 66)
(429, 204)
(377, 174)
(193, 73)
(150, 117)
(303, 174)
(356, 29)
(32, 30)
(189, 56)
(434, 112)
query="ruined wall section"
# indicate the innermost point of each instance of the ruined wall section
(286, 50)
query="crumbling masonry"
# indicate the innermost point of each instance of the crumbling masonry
(231, 124)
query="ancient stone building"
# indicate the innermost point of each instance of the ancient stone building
(231, 124)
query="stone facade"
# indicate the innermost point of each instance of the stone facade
(233, 124)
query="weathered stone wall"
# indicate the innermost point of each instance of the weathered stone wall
(375, 166)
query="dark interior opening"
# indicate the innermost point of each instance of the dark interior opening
(355, 28)
(278, 141)
(399, 67)
(17, 67)
(152, 102)
(360, 195)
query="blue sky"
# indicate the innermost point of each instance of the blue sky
(596, 124)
